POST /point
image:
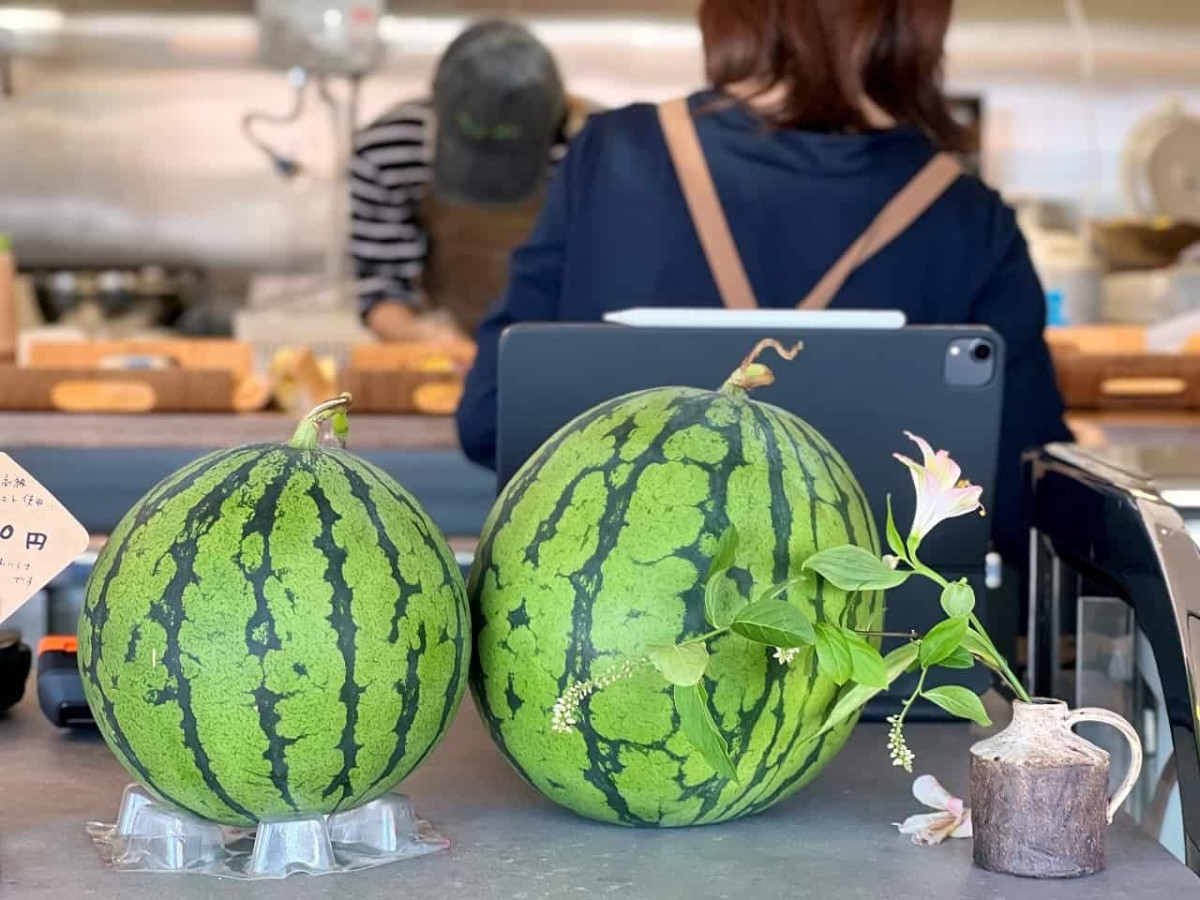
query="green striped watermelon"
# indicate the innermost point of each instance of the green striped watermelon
(598, 548)
(276, 630)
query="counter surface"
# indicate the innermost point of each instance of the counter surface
(833, 840)
(368, 432)
(212, 431)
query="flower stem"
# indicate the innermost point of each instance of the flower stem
(1003, 669)
(910, 635)
(704, 638)
(915, 694)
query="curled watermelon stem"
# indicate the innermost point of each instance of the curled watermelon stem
(307, 435)
(751, 373)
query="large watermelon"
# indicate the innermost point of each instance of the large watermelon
(274, 631)
(599, 547)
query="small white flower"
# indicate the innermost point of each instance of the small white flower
(891, 561)
(565, 715)
(952, 820)
(786, 655)
(897, 747)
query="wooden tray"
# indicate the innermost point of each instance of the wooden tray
(1107, 367)
(403, 393)
(189, 353)
(93, 390)
(421, 357)
(408, 378)
(1129, 381)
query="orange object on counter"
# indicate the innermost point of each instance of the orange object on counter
(58, 643)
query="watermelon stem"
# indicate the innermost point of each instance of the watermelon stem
(308, 431)
(751, 373)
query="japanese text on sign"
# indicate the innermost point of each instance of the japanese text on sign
(38, 538)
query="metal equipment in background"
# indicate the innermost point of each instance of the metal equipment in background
(316, 40)
(1115, 581)
(321, 43)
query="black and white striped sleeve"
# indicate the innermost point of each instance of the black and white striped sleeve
(389, 174)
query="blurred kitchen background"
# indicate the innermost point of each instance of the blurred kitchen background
(123, 147)
(165, 168)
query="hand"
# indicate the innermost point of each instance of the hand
(392, 321)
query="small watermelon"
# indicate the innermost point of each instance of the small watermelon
(599, 548)
(274, 631)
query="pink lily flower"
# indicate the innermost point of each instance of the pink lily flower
(942, 493)
(953, 819)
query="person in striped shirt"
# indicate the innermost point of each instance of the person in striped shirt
(443, 189)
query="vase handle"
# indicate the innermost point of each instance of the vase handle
(1093, 714)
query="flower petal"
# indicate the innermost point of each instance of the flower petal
(926, 450)
(964, 829)
(929, 828)
(929, 791)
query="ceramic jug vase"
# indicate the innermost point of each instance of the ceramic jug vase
(1039, 792)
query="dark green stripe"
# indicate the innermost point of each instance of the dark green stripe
(341, 619)
(169, 614)
(266, 701)
(408, 686)
(96, 611)
(781, 507)
(405, 589)
(450, 575)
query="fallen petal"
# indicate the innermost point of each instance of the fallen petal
(964, 828)
(929, 791)
(930, 828)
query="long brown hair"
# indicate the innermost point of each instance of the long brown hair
(823, 57)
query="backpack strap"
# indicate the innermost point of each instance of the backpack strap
(899, 213)
(716, 239)
(704, 205)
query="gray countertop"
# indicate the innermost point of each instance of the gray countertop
(833, 840)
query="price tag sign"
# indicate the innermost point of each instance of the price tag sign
(38, 537)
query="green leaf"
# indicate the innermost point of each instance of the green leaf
(691, 703)
(721, 600)
(866, 663)
(958, 701)
(833, 653)
(958, 599)
(775, 623)
(780, 590)
(852, 568)
(942, 640)
(726, 551)
(680, 664)
(961, 658)
(893, 533)
(974, 643)
(856, 697)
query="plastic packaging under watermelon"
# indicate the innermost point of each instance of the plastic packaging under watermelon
(150, 836)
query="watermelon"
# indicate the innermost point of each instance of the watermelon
(599, 548)
(275, 631)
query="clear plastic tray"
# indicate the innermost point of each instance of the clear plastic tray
(150, 836)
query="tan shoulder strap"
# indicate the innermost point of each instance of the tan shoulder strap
(708, 216)
(900, 212)
(705, 206)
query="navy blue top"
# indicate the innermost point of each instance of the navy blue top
(615, 233)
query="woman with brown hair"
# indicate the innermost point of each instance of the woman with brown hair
(815, 171)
